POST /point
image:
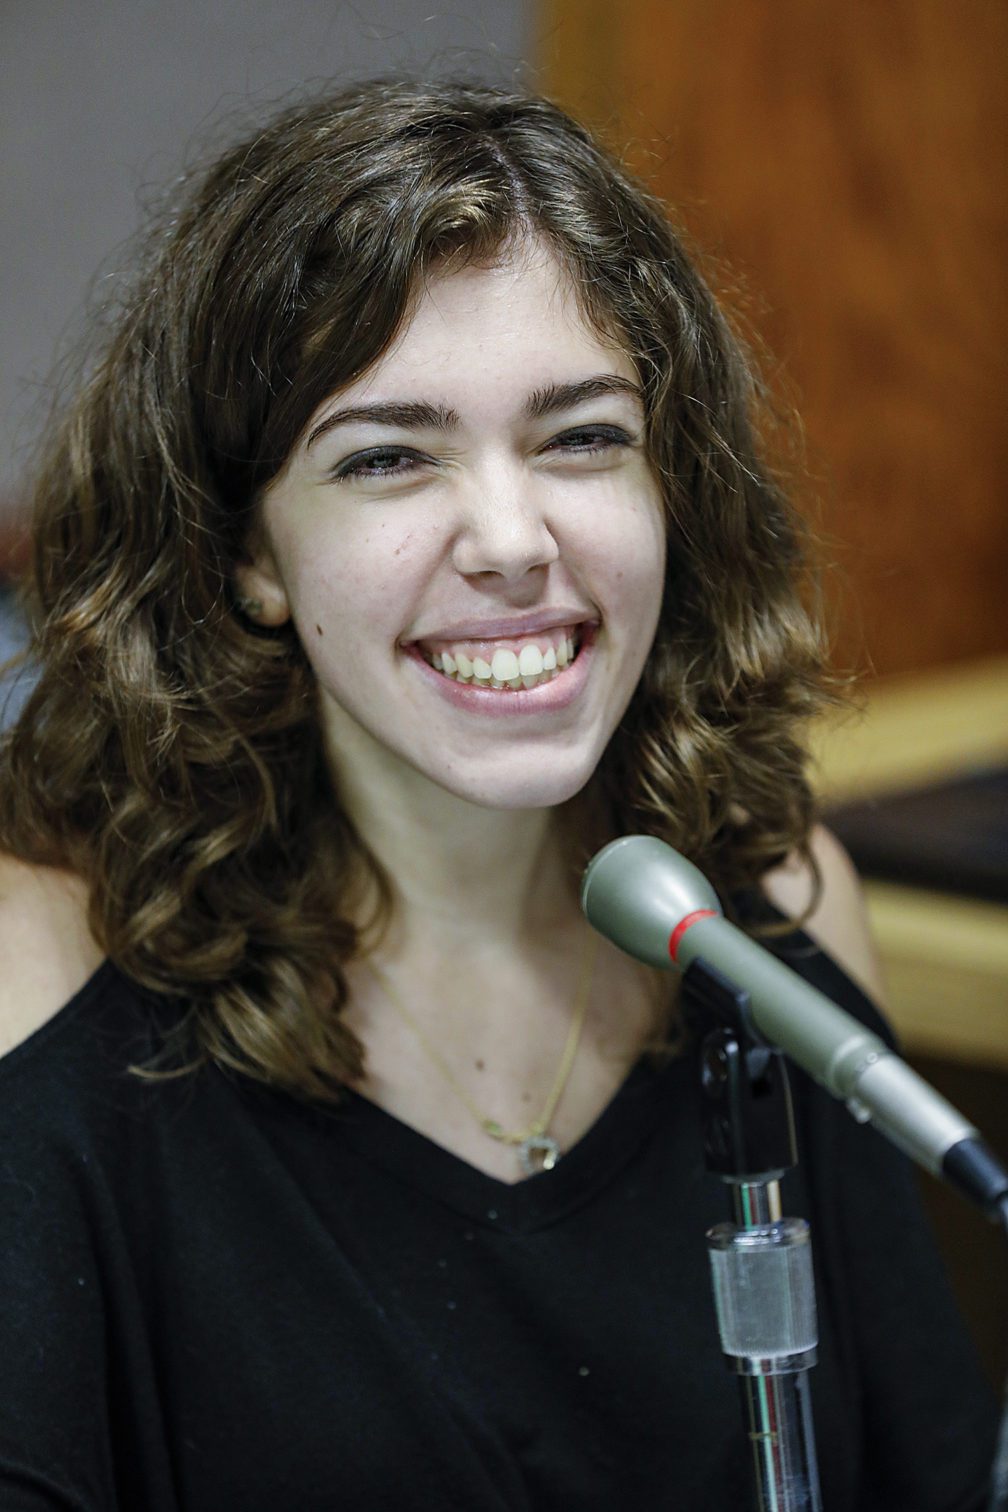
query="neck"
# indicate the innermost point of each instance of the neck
(466, 877)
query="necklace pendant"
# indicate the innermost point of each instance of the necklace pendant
(538, 1153)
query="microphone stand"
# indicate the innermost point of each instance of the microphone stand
(761, 1263)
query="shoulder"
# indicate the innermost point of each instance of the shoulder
(839, 920)
(47, 950)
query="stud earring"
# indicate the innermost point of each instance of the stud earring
(252, 608)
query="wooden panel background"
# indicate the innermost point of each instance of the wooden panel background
(847, 161)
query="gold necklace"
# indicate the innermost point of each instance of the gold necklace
(537, 1149)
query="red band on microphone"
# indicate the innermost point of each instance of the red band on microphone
(676, 936)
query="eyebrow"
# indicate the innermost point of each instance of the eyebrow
(416, 416)
(562, 396)
(420, 415)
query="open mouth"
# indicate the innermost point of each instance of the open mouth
(521, 663)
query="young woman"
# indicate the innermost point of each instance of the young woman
(408, 541)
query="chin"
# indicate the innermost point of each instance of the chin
(522, 791)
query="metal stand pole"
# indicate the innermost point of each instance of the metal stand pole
(761, 1264)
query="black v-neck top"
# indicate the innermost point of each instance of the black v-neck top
(214, 1297)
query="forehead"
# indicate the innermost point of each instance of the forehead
(490, 330)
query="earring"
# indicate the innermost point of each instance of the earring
(249, 606)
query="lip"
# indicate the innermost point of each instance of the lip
(504, 703)
(515, 626)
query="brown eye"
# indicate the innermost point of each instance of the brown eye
(378, 462)
(590, 438)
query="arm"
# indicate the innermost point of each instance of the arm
(52, 1328)
(47, 950)
(839, 920)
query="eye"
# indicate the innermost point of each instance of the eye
(587, 440)
(378, 462)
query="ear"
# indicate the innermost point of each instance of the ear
(262, 597)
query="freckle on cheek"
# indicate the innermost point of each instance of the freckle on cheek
(318, 629)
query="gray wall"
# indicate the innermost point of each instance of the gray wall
(100, 103)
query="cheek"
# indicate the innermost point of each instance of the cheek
(641, 588)
(633, 551)
(353, 591)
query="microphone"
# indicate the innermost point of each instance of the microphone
(657, 906)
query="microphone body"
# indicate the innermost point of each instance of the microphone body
(658, 907)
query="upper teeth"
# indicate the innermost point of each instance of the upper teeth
(507, 667)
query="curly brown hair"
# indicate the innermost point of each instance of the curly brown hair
(171, 751)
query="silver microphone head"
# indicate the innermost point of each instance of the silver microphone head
(637, 890)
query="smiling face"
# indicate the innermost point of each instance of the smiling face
(470, 540)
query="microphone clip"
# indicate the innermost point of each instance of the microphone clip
(748, 1119)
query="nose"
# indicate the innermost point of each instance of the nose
(503, 529)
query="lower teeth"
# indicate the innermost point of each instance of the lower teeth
(517, 684)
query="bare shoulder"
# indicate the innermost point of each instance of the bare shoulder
(839, 922)
(46, 948)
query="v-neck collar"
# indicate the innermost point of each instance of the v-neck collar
(524, 1206)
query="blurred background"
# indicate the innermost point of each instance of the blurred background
(843, 168)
